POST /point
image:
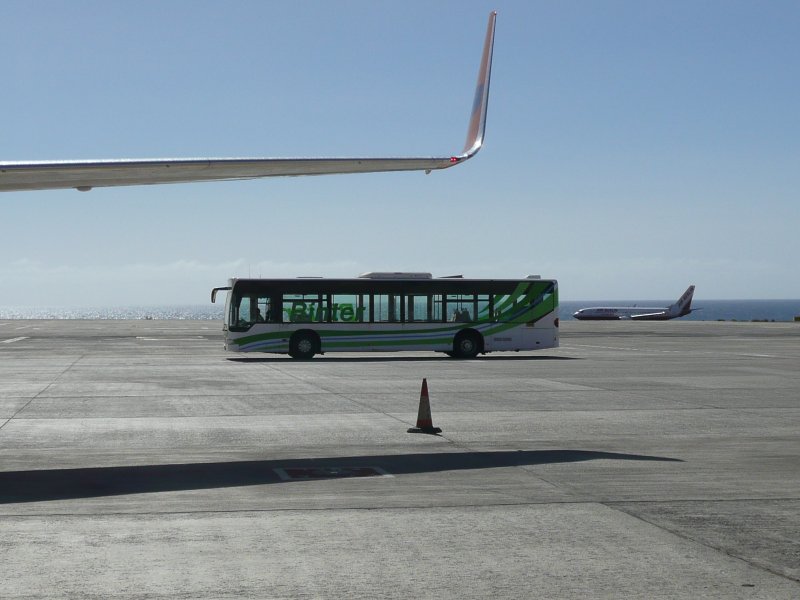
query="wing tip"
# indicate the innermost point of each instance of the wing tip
(480, 105)
(477, 122)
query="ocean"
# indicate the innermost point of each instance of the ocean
(704, 310)
(210, 312)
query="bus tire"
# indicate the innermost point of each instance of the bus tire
(467, 344)
(303, 344)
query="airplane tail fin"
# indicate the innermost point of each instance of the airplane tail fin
(684, 304)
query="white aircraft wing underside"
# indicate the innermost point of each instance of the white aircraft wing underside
(650, 316)
(85, 175)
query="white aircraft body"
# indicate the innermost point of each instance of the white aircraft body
(615, 313)
(87, 174)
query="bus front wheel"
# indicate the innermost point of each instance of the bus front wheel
(303, 345)
(467, 344)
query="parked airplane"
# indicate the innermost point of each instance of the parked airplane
(85, 175)
(609, 313)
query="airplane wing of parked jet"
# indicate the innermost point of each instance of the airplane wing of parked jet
(85, 175)
(661, 315)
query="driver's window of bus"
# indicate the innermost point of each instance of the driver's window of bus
(243, 310)
(240, 312)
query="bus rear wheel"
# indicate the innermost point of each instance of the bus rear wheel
(303, 345)
(467, 344)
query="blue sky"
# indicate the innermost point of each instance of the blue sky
(632, 147)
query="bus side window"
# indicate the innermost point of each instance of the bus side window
(348, 308)
(264, 311)
(484, 307)
(419, 308)
(299, 308)
(387, 308)
(363, 309)
(437, 314)
(461, 308)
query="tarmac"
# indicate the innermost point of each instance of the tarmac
(638, 460)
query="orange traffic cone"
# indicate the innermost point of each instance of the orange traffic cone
(424, 420)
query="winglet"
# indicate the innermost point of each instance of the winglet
(477, 121)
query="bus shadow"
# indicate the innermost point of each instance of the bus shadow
(71, 484)
(368, 359)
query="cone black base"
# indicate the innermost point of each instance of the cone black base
(431, 430)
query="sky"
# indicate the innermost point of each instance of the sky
(632, 147)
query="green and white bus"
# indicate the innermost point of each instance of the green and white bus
(390, 312)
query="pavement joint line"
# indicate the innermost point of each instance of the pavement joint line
(528, 470)
(753, 563)
(658, 351)
(299, 415)
(411, 507)
(612, 504)
(716, 500)
(57, 377)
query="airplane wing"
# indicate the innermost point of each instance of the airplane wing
(85, 175)
(655, 316)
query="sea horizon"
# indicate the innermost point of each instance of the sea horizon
(703, 310)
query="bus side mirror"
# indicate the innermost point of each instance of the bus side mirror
(214, 293)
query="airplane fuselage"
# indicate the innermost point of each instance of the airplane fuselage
(618, 314)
